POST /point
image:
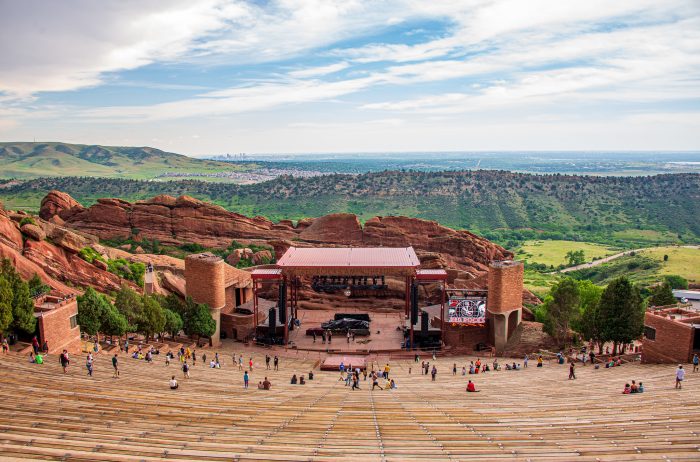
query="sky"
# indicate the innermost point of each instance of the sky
(203, 77)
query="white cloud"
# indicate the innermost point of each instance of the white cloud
(320, 70)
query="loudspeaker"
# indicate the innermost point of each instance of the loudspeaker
(272, 319)
(424, 320)
(282, 304)
(414, 303)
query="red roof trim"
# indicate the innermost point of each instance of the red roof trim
(349, 257)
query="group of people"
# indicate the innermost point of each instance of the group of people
(634, 388)
(300, 380)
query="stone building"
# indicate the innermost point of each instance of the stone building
(57, 322)
(671, 335)
(504, 305)
(208, 279)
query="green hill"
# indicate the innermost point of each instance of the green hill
(32, 160)
(503, 206)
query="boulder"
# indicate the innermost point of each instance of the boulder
(139, 250)
(33, 232)
(233, 258)
(262, 257)
(57, 203)
(336, 228)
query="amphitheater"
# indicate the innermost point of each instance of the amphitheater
(531, 414)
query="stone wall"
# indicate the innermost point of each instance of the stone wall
(205, 279)
(466, 337)
(673, 342)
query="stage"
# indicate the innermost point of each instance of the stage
(386, 332)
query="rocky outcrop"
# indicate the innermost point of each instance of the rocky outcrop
(59, 204)
(186, 219)
(10, 234)
(33, 232)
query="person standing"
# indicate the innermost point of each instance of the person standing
(277, 363)
(696, 362)
(5, 346)
(323, 337)
(680, 375)
(194, 358)
(35, 345)
(525, 360)
(250, 364)
(572, 373)
(186, 369)
(267, 362)
(240, 362)
(64, 360)
(454, 368)
(245, 379)
(115, 365)
(313, 334)
(433, 373)
(330, 336)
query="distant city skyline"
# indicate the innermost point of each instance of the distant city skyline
(207, 77)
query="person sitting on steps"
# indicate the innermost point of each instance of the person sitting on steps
(471, 388)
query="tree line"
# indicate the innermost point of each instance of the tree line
(611, 314)
(148, 315)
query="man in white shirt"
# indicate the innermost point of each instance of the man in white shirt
(173, 383)
(680, 375)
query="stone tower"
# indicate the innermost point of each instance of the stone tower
(205, 282)
(504, 304)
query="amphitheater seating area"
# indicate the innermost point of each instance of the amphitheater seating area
(531, 414)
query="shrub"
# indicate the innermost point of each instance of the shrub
(26, 221)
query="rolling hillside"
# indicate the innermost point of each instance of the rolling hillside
(32, 160)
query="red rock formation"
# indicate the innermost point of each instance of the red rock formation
(10, 235)
(57, 203)
(185, 219)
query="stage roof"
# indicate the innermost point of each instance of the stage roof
(359, 261)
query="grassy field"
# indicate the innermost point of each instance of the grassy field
(682, 261)
(553, 252)
(646, 236)
(539, 283)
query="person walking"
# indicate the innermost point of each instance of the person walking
(454, 368)
(186, 369)
(245, 379)
(88, 364)
(680, 375)
(433, 373)
(572, 373)
(64, 360)
(277, 363)
(35, 345)
(696, 362)
(323, 337)
(115, 365)
(375, 381)
(240, 362)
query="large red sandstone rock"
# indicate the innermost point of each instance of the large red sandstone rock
(27, 269)
(63, 265)
(33, 231)
(9, 233)
(336, 228)
(57, 203)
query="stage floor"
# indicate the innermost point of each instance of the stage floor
(390, 336)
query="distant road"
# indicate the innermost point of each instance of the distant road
(612, 257)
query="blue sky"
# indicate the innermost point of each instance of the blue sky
(214, 76)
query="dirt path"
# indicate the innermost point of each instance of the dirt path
(612, 257)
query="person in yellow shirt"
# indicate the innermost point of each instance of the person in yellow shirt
(386, 371)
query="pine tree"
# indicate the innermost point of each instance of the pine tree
(662, 295)
(561, 308)
(5, 304)
(621, 312)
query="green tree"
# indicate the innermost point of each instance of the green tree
(575, 257)
(91, 311)
(584, 321)
(173, 322)
(562, 306)
(662, 295)
(22, 302)
(37, 286)
(199, 321)
(152, 319)
(113, 322)
(676, 281)
(621, 312)
(5, 304)
(129, 304)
